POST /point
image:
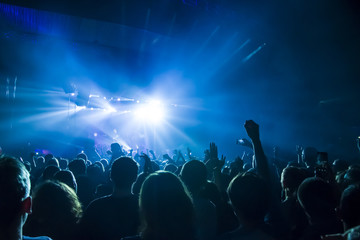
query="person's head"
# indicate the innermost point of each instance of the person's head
(67, 177)
(115, 148)
(171, 168)
(349, 208)
(63, 163)
(309, 156)
(49, 172)
(194, 175)
(77, 167)
(291, 178)
(317, 198)
(154, 166)
(104, 162)
(124, 172)
(339, 166)
(48, 157)
(15, 202)
(249, 196)
(352, 176)
(82, 156)
(95, 172)
(40, 162)
(52, 162)
(56, 209)
(166, 208)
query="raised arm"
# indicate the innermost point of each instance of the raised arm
(262, 166)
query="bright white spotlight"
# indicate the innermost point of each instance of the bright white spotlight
(111, 109)
(152, 112)
(78, 108)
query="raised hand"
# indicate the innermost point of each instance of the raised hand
(262, 166)
(252, 130)
(213, 152)
(220, 163)
(152, 154)
(299, 149)
(167, 157)
(147, 165)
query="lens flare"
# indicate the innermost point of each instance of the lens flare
(151, 112)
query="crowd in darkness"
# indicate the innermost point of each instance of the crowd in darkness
(140, 196)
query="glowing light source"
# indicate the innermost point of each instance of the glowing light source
(95, 134)
(111, 109)
(79, 108)
(151, 112)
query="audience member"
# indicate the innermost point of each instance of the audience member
(319, 200)
(194, 175)
(15, 200)
(67, 177)
(249, 196)
(56, 211)
(166, 209)
(114, 216)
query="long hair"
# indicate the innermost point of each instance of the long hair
(166, 208)
(56, 210)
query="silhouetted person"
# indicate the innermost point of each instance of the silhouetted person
(15, 200)
(78, 167)
(115, 152)
(82, 156)
(249, 196)
(309, 158)
(63, 163)
(85, 190)
(66, 177)
(339, 166)
(349, 212)
(318, 199)
(350, 207)
(194, 175)
(56, 211)
(166, 209)
(49, 172)
(114, 216)
(293, 214)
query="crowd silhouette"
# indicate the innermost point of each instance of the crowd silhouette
(134, 195)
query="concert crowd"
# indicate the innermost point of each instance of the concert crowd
(134, 195)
